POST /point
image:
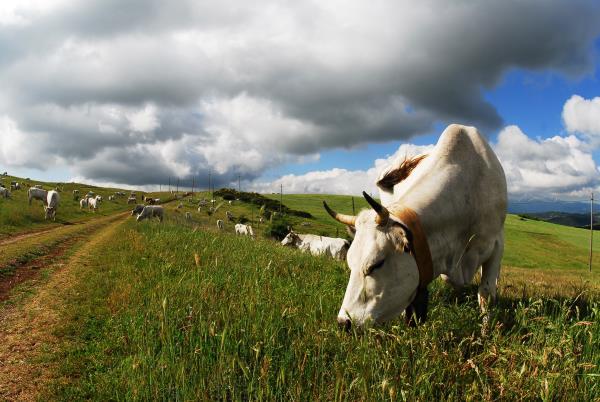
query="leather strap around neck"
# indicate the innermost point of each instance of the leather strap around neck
(419, 246)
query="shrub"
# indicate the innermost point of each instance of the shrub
(277, 228)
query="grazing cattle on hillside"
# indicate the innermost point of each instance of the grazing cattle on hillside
(15, 186)
(229, 216)
(245, 230)
(131, 200)
(75, 195)
(137, 210)
(188, 216)
(151, 211)
(83, 203)
(51, 205)
(220, 224)
(317, 245)
(38, 186)
(444, 216)
(4, 193)
(157, 200)
(179, 206)
(37, 194)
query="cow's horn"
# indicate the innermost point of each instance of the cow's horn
(345, 219)
(382, 212)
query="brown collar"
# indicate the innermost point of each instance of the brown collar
(419, 246)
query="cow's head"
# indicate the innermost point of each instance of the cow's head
(384, 278)
(291, 239)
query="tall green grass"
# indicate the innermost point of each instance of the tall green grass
(255, 320)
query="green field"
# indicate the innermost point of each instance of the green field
(182, 311)
(16, 215)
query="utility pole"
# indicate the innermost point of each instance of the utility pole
(239, 184)
(591, 228)
(280, 198)
(209, 181)
(177, 191)
(192, 187)
(169, 184)
(353, 213)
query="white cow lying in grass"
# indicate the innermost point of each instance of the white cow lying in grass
(317, 245)
(37, 194)
(245, 230)
(51, 205)
(151, 211)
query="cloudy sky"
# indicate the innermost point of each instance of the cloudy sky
(317, 96)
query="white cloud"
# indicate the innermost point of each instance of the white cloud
(341, 181)
(583, 116)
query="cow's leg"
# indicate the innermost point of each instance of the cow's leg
(490, 272)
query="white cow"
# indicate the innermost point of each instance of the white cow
(37, 194)
(445, 218)
(188, 216)
(151, 211)
(318, 245)
(51, 205)
(245, 230)
(38, 186)
(220, 224)
(131, 200)
(94, 203)
(83, 203)
(4, 192)
(15, 186)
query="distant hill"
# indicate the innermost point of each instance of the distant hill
(565, 218)
(537, 206)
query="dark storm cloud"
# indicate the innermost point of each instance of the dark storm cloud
(264, 83)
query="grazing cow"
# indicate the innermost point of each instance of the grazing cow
(151, 211)
(179, 206)
(75, 195)
(99, 198)
(188, 216)
(220, 224)
(4, 192)
(149, 201)
(94, 203)
(38, 186)
(157, 200)
(245, 230)
(83, 203)
(137, 210)
(318, 245)
(199, 209)
(230, 202)
(15, 186)
(111, 197)
(229, 216)
(51, 205)
(445, 217)
(131, 200)
(37, 194)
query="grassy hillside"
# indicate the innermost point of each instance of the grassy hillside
(16, 215)
(249, 319)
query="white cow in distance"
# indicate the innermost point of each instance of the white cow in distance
(220, 224)
(245, 230)
(151, 211)
(318, 245)
(94, 203)
(51, 205)
(444, 216)
(83, 203)
(37, 194)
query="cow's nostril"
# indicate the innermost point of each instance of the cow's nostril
(344, 323)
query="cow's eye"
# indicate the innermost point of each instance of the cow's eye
(375, 266)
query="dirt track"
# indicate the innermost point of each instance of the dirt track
(26, 329)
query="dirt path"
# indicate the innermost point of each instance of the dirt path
(27, 329)
(31, 268)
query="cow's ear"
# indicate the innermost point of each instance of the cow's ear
(403, 237)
